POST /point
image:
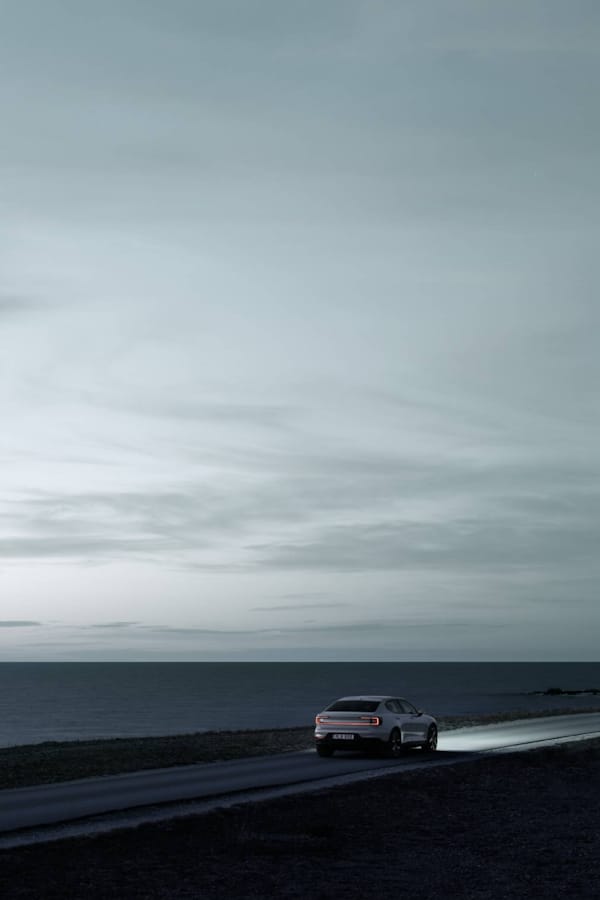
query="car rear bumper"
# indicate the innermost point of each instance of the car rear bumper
(350, 741)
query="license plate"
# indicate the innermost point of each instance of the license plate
(343, 737)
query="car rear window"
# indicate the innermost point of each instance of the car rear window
(354, 706)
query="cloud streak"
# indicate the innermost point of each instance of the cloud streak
(336, 514)
(294, 607)
(15, 306)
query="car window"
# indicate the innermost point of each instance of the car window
(407, 707)
(392, 706)
(353, 706)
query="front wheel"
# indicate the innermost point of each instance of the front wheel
(432, 739)
(394, 744)
(324, 750)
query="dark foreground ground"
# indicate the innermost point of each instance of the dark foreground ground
(525, 825)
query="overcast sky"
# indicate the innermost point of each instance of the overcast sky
(299, 328)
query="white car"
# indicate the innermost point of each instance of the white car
(383, 723)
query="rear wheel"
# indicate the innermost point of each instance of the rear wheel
(394, 744)
(324, 750)
(432, 739)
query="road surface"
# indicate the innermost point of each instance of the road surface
(31, 807)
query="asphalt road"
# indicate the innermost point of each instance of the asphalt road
(67, 801)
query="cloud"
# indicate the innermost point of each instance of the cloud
(291, 607)
(375, 626)
(18, 623)
(111, 625)
(14, 305)
(170, 405)
(515, 29)
(73, 545)
(462, 544)
(371, 512)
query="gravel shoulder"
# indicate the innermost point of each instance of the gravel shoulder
(512, 826)
(32, 764)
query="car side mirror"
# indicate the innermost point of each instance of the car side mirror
(419, 712)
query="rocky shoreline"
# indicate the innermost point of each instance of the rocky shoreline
(565, 692)
(515, 826)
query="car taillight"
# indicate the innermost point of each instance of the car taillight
(361, 720)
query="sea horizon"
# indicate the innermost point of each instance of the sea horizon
(79, 700)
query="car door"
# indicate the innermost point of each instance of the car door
(415, 727)
(396, 715)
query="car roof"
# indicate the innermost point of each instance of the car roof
(369, 697)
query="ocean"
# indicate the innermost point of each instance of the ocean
(77, 701)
